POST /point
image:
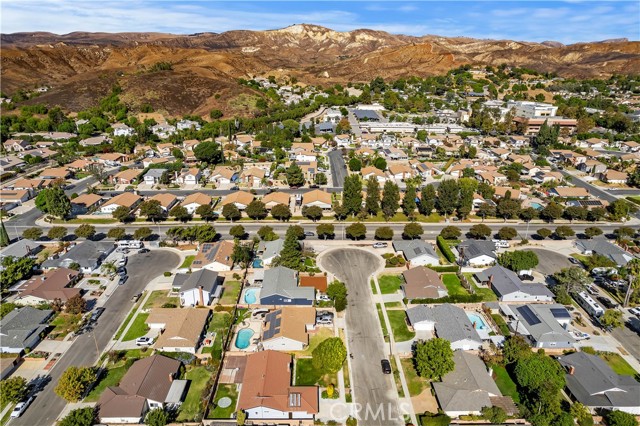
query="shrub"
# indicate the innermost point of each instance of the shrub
(449, 268)
(458, 298)
(446, 251)
(167, 274)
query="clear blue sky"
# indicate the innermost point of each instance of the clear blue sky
(565, 21)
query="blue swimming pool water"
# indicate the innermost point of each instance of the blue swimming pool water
(477, 321)
(250, 296)
(536, 206)
(257, 263)
(243, 339)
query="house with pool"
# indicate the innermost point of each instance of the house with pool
(287, 328)
(280, 287)
(268, 250)
(451, 322)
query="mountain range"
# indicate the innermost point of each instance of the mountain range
(81, 67)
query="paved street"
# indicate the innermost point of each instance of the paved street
(142, 268)
(550, 262)
(628, 339)
(374, 391)
(338, 168)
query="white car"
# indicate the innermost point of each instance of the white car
(122, 261)
(324, 298)
(380, 245)
(635, 311)
(144, 341)
(21, 407)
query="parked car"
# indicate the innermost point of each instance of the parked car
(380, 245)
(386, 366)
(136, 297)
(313, 186)
(309, 234)
(324, 315)
(526, 277)
(234, 188)
(123, 279)
(574, 261)
(144, 341)
(122, 261)
(324, 321)
(324, 298)
(635, 311)
(122, 271)
(96, 314)
(21, 407)
(143, 250)
(606, 302)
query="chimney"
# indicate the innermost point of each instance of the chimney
(491, 281)
(69, 277)
(170, 377)
(201, 295)
(571, 369)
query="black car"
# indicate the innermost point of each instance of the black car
(143, 250)
(96, 314)
(123, 279)
(314, 186)
(606, 302)
(386, 366)
(121, 271)
(526, 277)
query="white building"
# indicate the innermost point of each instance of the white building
(530, 109)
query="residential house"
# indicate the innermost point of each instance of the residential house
(126, 177)
(165, 149)
(14, 197)
(166, 200)
(240, 198)
(121, 129)
(286, 329)
(569, 192)
(84, 203)
(593, 167)
(417, 252)
(19, 249)
(614, 177)
(198, 288)
(342, 140)
(280, 287)
(423, 283)
(477, 253)
(88, 254)
(450, 322)
(214, 256)
(163, 130)
(32, 185)
(544, 324)
(112, 159)
(125, 199)
(510, 288)
(269, 250)
(319, 282)
(188, 124)
(223, 175)
(16, 145)
(267, 393)
(189, 176)
(148, 384)
(55, 173)
(491, 177)
(501, 192)
(400, 171)
(192, 201)
(253, 177)
(604, 248)
(274, 198)
(95, 140)
(55, 284)
(318, 198)
(592, 382)
(190, 145)
(630, 146)
(395, 154)
(154, 176)
(148, 161)
(369, 171)
(22, 329)
(180, 328)
(468, 388)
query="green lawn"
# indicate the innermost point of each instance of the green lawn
(64, 324)
(373, 287)
(229, 391)
(618, 364)
(454, 287)
(220, 323)
(188, 261)
(138, 328)
(504, 329)
(487, 294)
(315, 339)
(415, 383)
(389, 284)
(191, 408)
(307, 375)
(385, 332)
(230, 292)
(505, 384)
(158, 298)
(396, 377)
(397, 320)
(111, 378)
(393, 305)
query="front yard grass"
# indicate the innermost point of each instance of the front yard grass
(618, 364)
(389, 284)
(487, 294)
(506, 385)
(393, 305)
(373, 287)
(454, 287)
(64, 324)
(307, 375)
(111, 378)
(315, 339)
(398, 322)
(158, 298)
(385, 332)
(229, 391)
(188, 261)
(230, 292)
(191, 408)
(138, 328)
(415, 383)
(396, 377)
(504, 329)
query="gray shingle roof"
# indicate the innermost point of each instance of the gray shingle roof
(415, 248)
(366, 113)
(20, 248)
(505, 282)
(451, 322)
(87, 254)
(605, 248)
(204, 278)
(284, 282)
(271, 249)
(20, 324)
(540, 322)
(474, 248)
(156, 173)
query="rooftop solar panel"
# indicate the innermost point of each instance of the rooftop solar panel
(528, 315)
(560, 313)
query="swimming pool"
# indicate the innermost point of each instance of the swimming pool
(243, 339)
(477, 321)
(257, 263)
(250, 296)
(536, 206)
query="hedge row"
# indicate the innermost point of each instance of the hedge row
(459, 298)
(448, 268)
(446, 251)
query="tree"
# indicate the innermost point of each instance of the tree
(121, 214)
(6, 307)
(256, 210)
(544, 233)
(450, 233)
(320, 179)
(180, 214)
(620, 418)
(372, 201)
(515, 348)
(76, 305)
(281, 212)
(337, 290)
(434, 358)
(57, 233)
(581, 414)
(596, 214)
(390, 199)
(495, 415)
(563, 232)
(575, 213)
(329, 355)
(152, 209)
(541, 378)
(508, 208)
(412, 231)
(339, 211)
(427, 200)
(551, 212)
(80, 417)
(231, 212)
(325, 231)
(142, 233)
(206, 212)
(623, 233)
(208, 152)
(479, 231)
(507, 233)
(634, 177)
(85, 231)
(518, 260)
(313, 212)
(409, 201)
(266, 234)
(528, 214)
(619, 209)
(297, 231)
(215, 114)
(592, 231)
(380, 163)
(241, 417)
(352, 194)
(295, 176)
(74, 382)
(116, 233)
(54, 201)
(611, 318)
(238, 232)
(32, 233)
(355, 165)
(291, 254)
(156, 417)
(15, 269)
(356, 231)
(384, 233)
(573, 279)
(4, 236)
(448, 197)
(12, 389)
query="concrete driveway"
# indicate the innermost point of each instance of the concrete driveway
(142, 268)
(550, 262)
(338, 169)
(374, 392)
